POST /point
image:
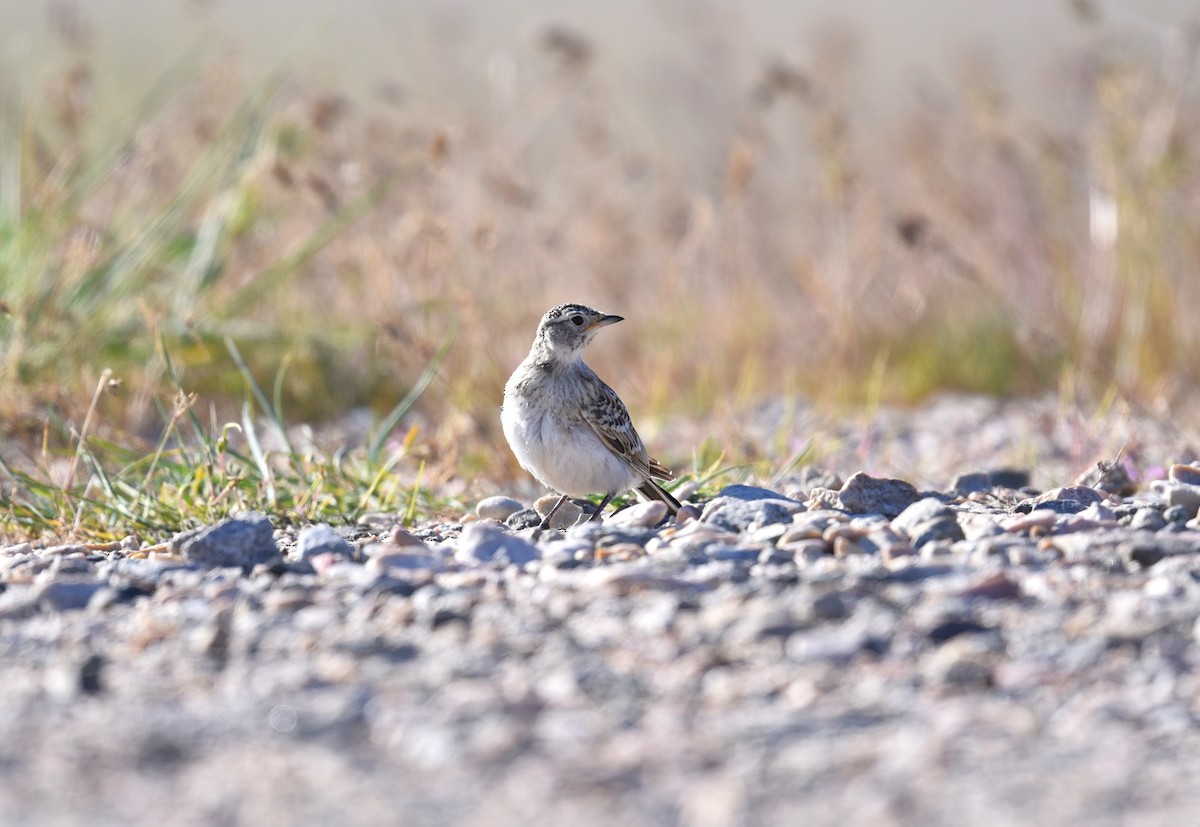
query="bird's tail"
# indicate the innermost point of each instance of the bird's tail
(653, 491)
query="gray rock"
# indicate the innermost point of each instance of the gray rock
(928, 520)
(1009, 478)
(245, 541)
(602, 535)
(965, 484)
(497, 508)
(1183, 494)
(385, 558)
(1147, 519)
(1177, 514)
(566, 516)
(1188, 474)
(732, 554)
(487, 541)
(643, 515)
(863, 494)
(67, 594)
(1069, 500)
(526, 518)
(751, 493)
(830, 606)
(738, 515)
(820, 499)
(321, 539)
(1108, 476)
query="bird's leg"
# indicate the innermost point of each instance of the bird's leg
(600, 508)
(545, 523)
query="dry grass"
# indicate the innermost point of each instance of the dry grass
(988, 253)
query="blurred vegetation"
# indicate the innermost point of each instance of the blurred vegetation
(336, 247)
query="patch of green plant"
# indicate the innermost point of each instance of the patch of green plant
(202, 472)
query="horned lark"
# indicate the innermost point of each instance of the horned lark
(568, 428)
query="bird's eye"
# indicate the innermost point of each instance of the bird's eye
(577, 321)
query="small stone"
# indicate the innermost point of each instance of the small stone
(751, 493)
(1032, 520)
(19, 548)
(960, 666)
(568, 515)
(1067, 500)
(66, 595)
(526, 518)
(738, 515)
(1176, 514)
(1183, 494)
(497, 508)
(774, 557)
(644, 515)
(1147, 519)
(998, 586)
(402, 538)
(807, 478)
(830, 606)
(619, 553)
(62, 551)
(607, 534)
(952, 628)
(487, 541)
(1011, 478)
(863, 494)
(1145, 554)
(735, 555)
(1188, 474)
(245, 541)
(321, 539)
(1108, 476)
(928, 520)
(403, 559)
(806, 551)
(965, 484)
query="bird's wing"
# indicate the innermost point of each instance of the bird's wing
(609, 418)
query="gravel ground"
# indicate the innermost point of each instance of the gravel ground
(827, 649)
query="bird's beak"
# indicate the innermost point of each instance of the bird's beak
(605, 321)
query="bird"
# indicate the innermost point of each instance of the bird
(567, 427)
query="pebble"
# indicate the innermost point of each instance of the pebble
(66, 594)
(405, 559)
(497, 508)
(738, 514)
(568, 515)
(641, 515)
(321, 539)
(971, 483)
(1186, 474)
(863, 494)
(487, 541)
(927, 521)
(243, 541)
(1183, 495)
(1112, 477)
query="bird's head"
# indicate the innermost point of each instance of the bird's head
(567, 329)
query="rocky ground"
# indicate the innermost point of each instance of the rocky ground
(1005, 646)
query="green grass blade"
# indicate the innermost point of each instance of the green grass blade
(379, 439)
(260, 396)
(256, 451)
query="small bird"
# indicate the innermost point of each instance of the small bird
(568, 428)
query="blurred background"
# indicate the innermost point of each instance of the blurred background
(844, 203)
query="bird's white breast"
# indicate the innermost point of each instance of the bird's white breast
(563, 454)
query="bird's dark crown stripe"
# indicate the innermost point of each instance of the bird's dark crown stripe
(566, 309)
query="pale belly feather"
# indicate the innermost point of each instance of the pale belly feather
(565, 456)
